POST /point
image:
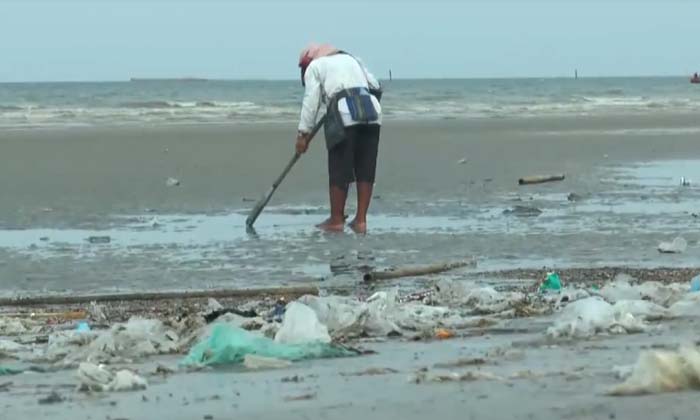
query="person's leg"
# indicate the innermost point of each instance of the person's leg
(335, 223)
(340, 174)
(365, 165)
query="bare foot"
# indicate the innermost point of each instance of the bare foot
(359, 228)
(329, 225)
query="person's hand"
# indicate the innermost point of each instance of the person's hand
(302, 142)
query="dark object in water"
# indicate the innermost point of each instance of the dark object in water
(523, 211)
(212, 316)
(539, 179)
(576, 197)
(99, 239)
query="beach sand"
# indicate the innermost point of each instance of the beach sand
(66, 184)
(61, 186)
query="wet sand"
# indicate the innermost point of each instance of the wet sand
(61, 186)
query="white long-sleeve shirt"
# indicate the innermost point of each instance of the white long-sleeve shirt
(324, 78)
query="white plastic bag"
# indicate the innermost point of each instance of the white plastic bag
(301, 325)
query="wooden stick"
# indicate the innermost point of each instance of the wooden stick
(539, 179)
(416, 271)
(117, 297)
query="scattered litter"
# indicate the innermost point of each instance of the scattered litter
(662, 371)
(677, 246)
(372, 372)
(295, 379)
(587, 317)
(688, 306)
(539, 179)
(99, 239)
(462, 161)
(10, 347)
(255, 362)
(301, 325)
(96, 312)
(471, 361)
(134, 339)
(163, 370)
(82, 326)
(551, 283)
(4, 370)
(470, 376)
(172, 182)
(300, 397)
(97, 378)
(229, 345)
(12, 326)
(443, 334)
(53, 398)
(695, 284)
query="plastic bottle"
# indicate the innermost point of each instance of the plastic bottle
(695, 284)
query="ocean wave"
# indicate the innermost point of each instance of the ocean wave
(10, 108)
(150, 104)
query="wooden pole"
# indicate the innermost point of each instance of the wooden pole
(150, 296)
(539, 179)
(416, 271)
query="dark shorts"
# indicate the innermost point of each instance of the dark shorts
(355, 158)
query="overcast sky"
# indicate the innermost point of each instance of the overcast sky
(117, 39)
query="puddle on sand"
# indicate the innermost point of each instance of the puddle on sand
(613, 222)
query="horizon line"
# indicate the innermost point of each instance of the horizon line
(205, 79)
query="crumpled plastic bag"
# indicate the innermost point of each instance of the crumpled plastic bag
(662, 371)
(134, 339)
(381, 315)
(12, 326)
(97, 378)
(301, 325)
(482, 300)
(677, 246)
(659, 293)
(10, 347)
(688, 306)
(642, 309)
(229, 345)
(587, 317)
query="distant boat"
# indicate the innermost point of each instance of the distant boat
(177, 79)
(695, 79)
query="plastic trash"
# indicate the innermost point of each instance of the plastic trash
(255, 362)
(301, 325)
(587, 317)
(82, 326)
(443, 334)
(4, 370)
(662, 371)
(695, 284)
(677, 246)
(97, 378)
(230, 345)
(551, 283)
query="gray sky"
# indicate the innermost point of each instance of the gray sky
(117, 39)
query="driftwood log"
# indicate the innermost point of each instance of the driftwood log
(539, 179)
(417, 271)
(146, 296)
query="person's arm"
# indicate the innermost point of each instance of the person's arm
(312, 100)
(310, 107)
